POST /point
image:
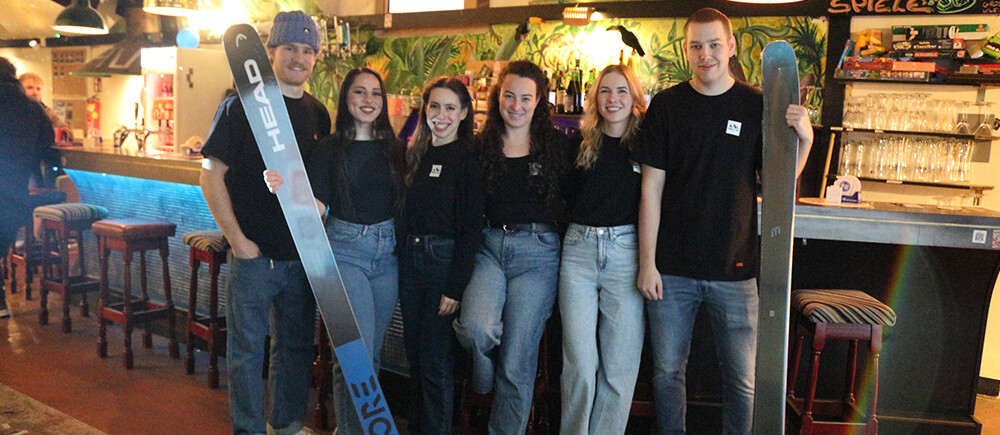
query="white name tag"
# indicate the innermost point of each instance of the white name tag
(636, 168)
(435, 171)
(733, 127)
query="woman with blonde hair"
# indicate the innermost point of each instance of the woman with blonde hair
(601, 308)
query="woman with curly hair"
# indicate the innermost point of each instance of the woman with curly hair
(355, 172)
(600, 305)
(439, 232)
(526, 167)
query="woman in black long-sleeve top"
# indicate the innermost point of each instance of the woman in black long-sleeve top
(440, 225)
(526, 168)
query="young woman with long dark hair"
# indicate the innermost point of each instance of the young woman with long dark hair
(526, 163)
(356, 172)
(440, 230)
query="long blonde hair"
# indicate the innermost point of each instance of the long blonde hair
(593, 126)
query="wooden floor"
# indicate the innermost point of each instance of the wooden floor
(156, 397)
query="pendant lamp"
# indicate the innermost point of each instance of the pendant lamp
(173, 8)
(79, 18)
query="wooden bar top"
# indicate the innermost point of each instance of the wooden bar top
(129, 162)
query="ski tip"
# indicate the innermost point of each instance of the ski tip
(778, 49)
(237, 33)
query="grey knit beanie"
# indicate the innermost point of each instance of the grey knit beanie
(293, 26)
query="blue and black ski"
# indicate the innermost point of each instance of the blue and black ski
(268, 116)
(780, 85)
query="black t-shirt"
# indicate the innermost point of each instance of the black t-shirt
(710, 148)
(607, 193)
(371, 190)
(231, 141)
(516, 201)
(446, 199)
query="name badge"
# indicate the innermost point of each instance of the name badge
(435, 171)
(733, 127)
(535, 169)
(636, 168)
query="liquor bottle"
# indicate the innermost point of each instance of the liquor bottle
(570, 98)
(551, 78)
(560, 93)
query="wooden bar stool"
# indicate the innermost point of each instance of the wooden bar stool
(128, 236)
(28, 255)
(58, 223)
(836, 315)
(208, 247)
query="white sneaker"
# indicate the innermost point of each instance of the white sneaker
(4, 313)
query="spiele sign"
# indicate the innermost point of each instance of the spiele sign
(876, 7)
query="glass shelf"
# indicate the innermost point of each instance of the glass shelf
(914, 133)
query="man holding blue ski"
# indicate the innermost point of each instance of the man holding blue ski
(700, 147)
(267, 292)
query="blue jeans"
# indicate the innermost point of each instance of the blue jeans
(732, 307)
(429, 338)
(504, 310)
(262, 297)
(370, 272)
(602, 325)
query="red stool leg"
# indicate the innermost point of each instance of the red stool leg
(852, 367)
(192, 306)
(102, 299)
(819, 342)
(63, 233)
(43, 314)
(127, 309)
(213, 325)
(168, 295)
(793, 373)
(84, 303)
(147, 335)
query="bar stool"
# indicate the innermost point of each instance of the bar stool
(836, 315)
(29, 254)
(208, 247)
(58, 223)
(130, 235)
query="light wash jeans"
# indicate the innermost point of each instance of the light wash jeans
(603, 326)
(370, 272)
(429, 338)
(504, 310)
(269, 297)
(732, 307)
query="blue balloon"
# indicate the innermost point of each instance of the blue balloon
(188, 38)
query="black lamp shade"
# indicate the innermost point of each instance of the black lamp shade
(81, 19)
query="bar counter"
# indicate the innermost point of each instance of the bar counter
(130, 162)
(935, 267)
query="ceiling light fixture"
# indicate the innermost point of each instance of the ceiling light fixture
(577, 15)
(81, 19)
(173, 8)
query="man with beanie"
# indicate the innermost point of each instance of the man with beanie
(267, 292)
(25, 141)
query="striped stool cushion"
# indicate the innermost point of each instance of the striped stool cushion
(842, 306)
(206, 240)
(71, 212)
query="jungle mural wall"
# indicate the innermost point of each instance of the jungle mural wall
(407, 63)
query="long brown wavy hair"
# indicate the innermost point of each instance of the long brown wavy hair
(593, 126)
(543, 134)
(423, 136)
